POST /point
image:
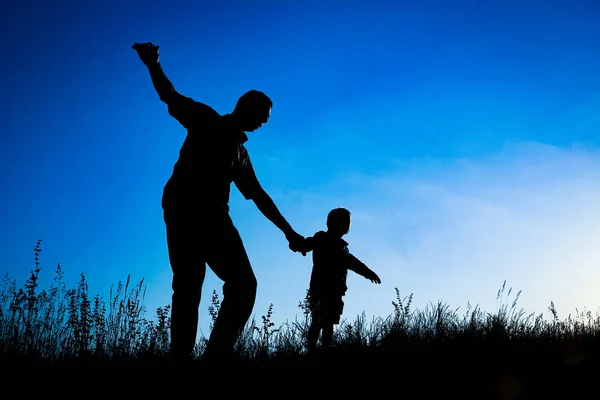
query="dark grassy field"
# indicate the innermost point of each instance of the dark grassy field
(508, 354)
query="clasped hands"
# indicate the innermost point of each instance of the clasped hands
(296, 243)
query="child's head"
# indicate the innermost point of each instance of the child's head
(338, 221)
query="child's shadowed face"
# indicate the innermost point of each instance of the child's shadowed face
(338, 222)
(339, 228)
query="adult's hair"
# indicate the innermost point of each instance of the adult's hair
(253, 100)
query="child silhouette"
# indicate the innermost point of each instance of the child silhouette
(331, 262)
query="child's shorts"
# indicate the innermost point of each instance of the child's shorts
(327, 310)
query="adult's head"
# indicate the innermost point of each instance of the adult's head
(252, 110)
(338, 221)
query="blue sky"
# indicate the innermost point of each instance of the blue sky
(462, 136)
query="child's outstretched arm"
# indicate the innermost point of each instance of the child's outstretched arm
(354, 264)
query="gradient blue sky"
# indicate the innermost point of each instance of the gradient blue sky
(462, 136)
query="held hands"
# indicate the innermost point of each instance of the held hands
(296, 242)
(147, 52)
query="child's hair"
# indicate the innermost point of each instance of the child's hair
(338, 220)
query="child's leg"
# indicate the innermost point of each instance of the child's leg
(327, 334)
(313, 335)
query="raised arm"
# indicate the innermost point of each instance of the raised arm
(183, 109)
(162, 84)
(354, 264)
(148, 53)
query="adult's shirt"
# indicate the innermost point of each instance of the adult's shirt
(212, 156)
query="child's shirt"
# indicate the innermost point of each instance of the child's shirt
(331, 262)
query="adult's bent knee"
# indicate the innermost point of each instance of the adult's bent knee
(242, 287)
(248, 286)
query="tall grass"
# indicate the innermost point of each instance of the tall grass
(60, 325)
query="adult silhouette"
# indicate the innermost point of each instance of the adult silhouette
(195, 206)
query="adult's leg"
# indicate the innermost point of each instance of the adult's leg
(228, 259)
(189, 269)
